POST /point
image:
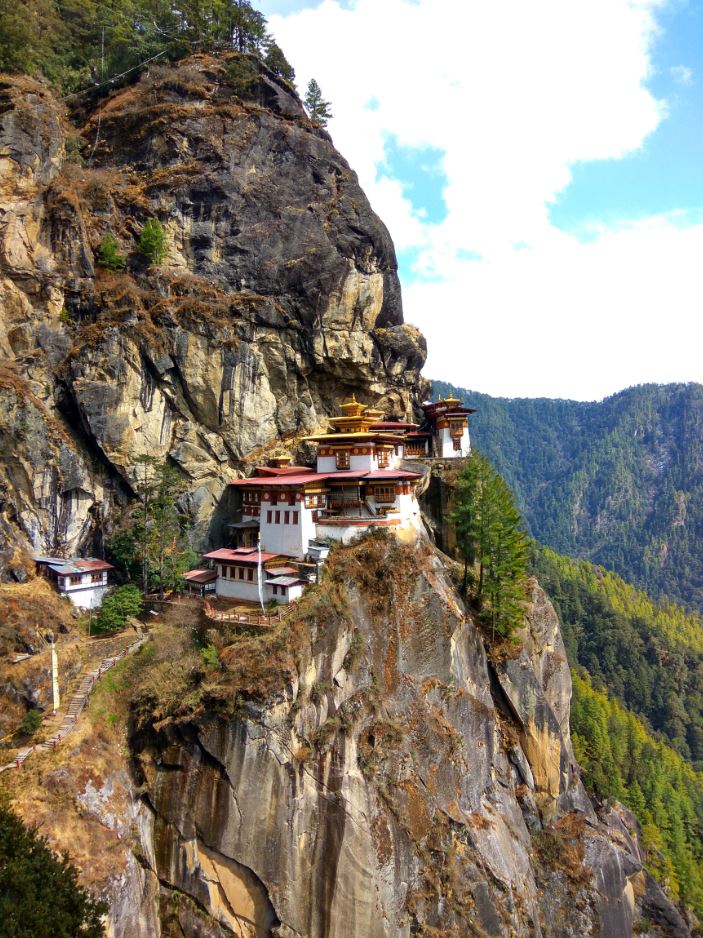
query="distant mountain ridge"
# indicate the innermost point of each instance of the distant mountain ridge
(618, 482)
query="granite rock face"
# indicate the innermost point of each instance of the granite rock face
(278, 296)
(398, 783)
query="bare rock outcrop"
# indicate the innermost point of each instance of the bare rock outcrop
(395, 783)
(278, 296)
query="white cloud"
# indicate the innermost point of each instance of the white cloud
(570, 319)
(682, 74)
(513, 94)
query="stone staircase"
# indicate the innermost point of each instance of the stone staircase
(78, 700)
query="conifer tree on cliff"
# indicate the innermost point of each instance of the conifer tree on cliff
(318, 109)
(40, 895)
(490, 538)
(151, 543)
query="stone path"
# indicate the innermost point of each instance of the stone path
(76, 705)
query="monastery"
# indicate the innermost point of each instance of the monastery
(290, 513)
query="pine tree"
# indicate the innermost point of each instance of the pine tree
(277, 62)
(151, 545)
(152, 243)
(318, 109)
(77, 44)
(40, 896)
(109, 255)
(490, 537)
(118, 607)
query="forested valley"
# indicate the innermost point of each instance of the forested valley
(637, 708)
(618, 482)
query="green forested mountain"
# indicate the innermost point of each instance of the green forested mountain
(619, 482)
(621, 760)
(637, 708)
(648, 654)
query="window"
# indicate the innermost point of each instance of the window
(275, 590)
(382, 458)
(286, 517)
(250, 574)
(241, 573)
(457, 446)
(384, 493)
(294, 517)
(278, 517)
(76, 579)
(342, 458)
(314, 501)
(269, 517)
(96, 578)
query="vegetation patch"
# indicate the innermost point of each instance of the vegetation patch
(39, 892)
(621, 760)
(560, 846)
(648, 654)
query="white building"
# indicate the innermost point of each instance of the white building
(84, 581)
(447, 427)
(356, 485)
(238, 575)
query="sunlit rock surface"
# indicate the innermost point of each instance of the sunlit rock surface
(278, 297)
(397, 782)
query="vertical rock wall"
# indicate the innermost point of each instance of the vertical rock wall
(397, 784)
(279, 294)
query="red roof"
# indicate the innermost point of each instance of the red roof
(343, 475)
(200, 576)
(240, 555)
(299, 479)
(441, 408)
(282, 470)
(89, 565)
(392, 474)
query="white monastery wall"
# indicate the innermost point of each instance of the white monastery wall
(363, 462)
(277, 537)
(86, 598)
(326, 464)
(239, 589)
(446, 444)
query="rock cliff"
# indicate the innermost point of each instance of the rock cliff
(378, 776)
(278, 296)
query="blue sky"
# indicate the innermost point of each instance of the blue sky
(540, 167)
(666, 174)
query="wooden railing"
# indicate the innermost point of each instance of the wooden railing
(265, 620)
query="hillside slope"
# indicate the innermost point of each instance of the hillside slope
(648, 654)
(618, 482)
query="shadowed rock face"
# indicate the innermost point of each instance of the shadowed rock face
(279, 294)
(398, 782)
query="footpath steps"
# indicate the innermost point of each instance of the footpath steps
(76, 704)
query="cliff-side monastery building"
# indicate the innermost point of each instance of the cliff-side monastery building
(358, 484)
